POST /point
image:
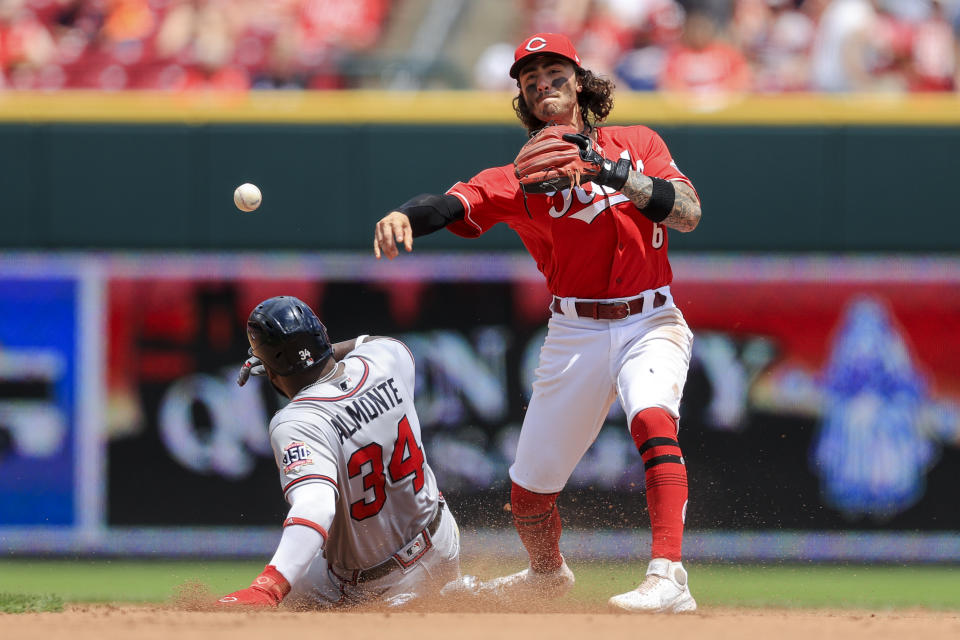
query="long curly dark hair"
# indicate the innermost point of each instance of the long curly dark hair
(595, 100)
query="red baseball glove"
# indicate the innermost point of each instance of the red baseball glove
(267, 590)
(558, 156)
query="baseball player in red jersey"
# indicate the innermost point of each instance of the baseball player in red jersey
(366, 522)
(600, 239)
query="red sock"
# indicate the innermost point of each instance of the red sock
(537, 521)
(654, 432)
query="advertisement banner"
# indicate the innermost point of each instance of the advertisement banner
(823, 393)
(38, 400)
(820, 418)
(837, 380)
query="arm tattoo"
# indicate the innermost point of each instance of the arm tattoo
(686, 209)
(638, 189)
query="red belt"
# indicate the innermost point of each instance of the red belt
(610, 310)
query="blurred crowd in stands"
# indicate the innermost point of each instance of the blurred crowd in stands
(709, 47)
(703, 47)
(183, 44)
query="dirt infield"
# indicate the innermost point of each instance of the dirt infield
(104, 622)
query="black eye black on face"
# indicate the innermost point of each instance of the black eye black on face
(530, 76)
(555, 79)
(529, 80)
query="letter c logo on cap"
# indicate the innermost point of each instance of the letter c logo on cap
(536, 44)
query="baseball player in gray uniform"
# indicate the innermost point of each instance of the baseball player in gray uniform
(367, 523)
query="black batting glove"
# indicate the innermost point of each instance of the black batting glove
(611, 174)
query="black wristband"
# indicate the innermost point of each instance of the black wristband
(661, 200)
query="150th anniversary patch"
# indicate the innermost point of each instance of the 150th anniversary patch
(295, 455)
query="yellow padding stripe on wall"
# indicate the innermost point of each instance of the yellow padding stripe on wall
(465, 107)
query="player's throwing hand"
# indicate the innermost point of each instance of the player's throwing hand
(392, 228)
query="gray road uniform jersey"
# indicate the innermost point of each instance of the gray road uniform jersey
(359, 433)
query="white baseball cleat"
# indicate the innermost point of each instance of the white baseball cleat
(664, 590)
(465, 585)
(526, 585)
(400, 600)
(529, 584)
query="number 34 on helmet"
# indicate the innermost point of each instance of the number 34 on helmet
(287, 336)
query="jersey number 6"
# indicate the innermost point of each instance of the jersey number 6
(656, 240)
(406, 459)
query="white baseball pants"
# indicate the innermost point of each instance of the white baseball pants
(584, 365)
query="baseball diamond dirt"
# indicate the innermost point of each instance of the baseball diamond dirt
(147, 623)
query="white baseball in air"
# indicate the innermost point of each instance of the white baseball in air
(247, 197)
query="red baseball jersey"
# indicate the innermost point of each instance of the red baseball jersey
(589, 241)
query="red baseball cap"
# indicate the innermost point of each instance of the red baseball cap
(541, 43)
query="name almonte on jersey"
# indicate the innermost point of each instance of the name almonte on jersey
(367, 406)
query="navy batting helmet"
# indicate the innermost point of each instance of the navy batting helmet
(287, 336)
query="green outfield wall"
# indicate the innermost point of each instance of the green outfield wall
(86, 171)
